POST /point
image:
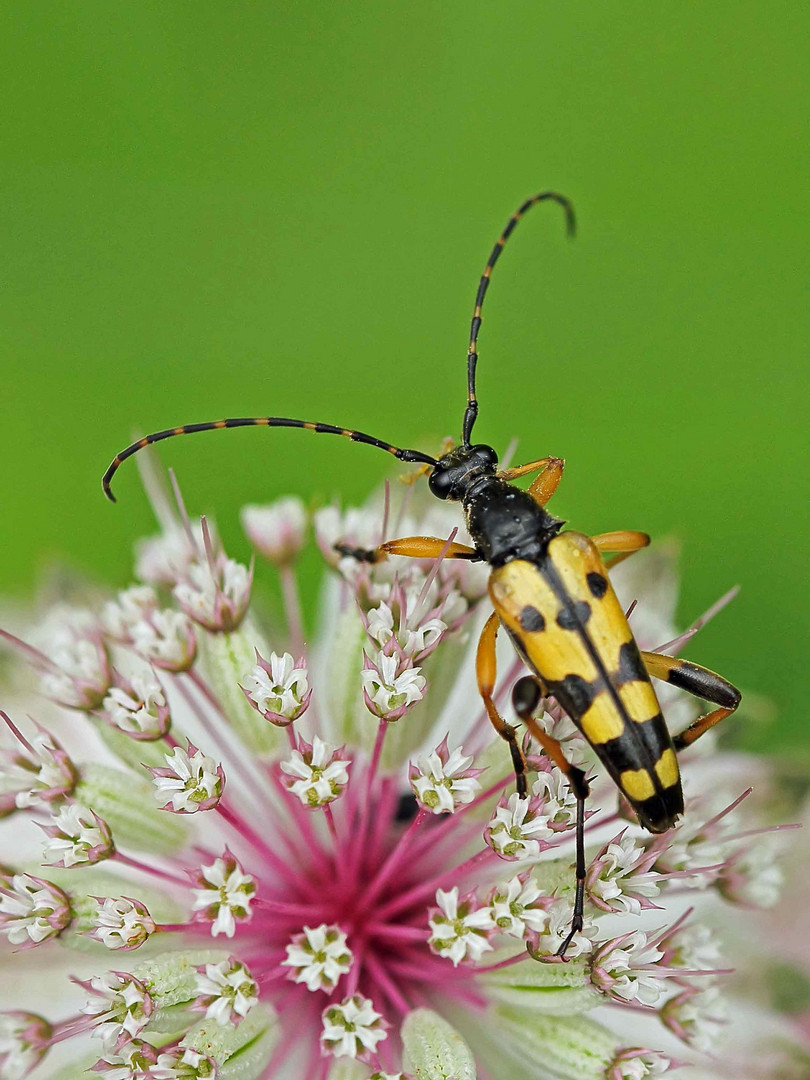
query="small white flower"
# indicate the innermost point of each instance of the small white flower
(353, 1028)
(625, 969)
(389, 692)
(215, 592)
(133, 1061)
(512, 907)
(638, 1064)
(319, 957)
(620, 878)
(166, 639)
(32, 910)
(277, 530)
(122, 923)
(697, 1016)
(182, 1064)
(277, 688)
(753, 877)
(139, 709)
(192, 781)
(81, 675)
(163, 559)
(557, 929)
(224, 989)
(224, 895)
(693, 947)
(443, 780)
(121, 1007)
(514, 832)
(131, 606)
(559, 805)
(24, 1041)
(36, 771)
(458, 929)
(77, 837)
(413, 640)
(318, 774)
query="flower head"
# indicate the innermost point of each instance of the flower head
(355, 867)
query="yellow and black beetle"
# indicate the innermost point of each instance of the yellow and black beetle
(550, 590)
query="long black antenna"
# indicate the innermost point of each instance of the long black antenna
(471, 411)
(257, 421)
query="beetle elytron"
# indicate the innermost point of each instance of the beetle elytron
(551, 591)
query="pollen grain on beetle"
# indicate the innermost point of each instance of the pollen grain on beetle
(302, 845)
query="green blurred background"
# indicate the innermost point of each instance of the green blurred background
(218, 209)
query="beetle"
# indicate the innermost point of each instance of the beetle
(551, 592)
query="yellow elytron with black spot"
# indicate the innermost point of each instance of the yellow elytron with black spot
(550, 590)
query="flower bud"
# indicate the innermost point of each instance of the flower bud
(276, 531)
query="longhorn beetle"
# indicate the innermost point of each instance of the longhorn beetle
(550, 590)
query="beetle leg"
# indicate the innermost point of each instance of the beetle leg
(526, 695)
(695, 680)
(626, 541)
(486, 672)
(413, 547)
(543, 486)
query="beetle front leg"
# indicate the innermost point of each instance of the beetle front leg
(412, 547)
(699, 681)
(543, 486)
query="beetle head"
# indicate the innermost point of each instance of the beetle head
(455, 471)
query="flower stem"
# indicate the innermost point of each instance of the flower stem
(292, 607)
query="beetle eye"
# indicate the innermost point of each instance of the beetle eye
(485, 455)
(440, 483)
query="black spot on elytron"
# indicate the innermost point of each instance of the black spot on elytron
(631, 665)
(574, 693)
(531, 619)
(576, 614)
(597, 583)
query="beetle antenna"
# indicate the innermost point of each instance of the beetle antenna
(472, 355)
(257, 421)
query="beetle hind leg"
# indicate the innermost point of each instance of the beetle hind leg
(699, 681)
(526, 695)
